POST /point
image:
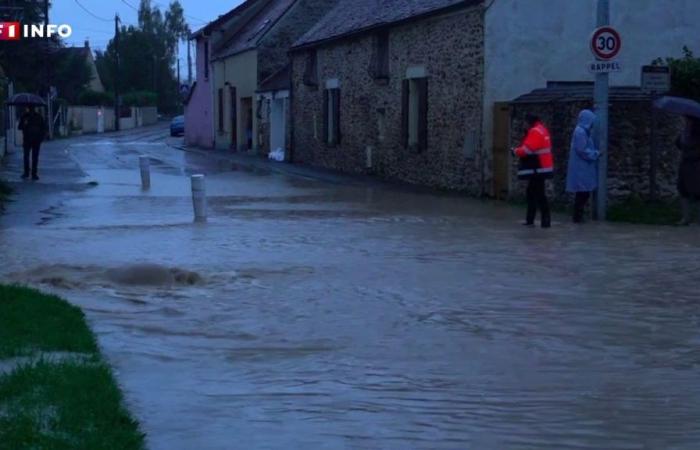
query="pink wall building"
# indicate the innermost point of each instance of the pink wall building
(199, 127)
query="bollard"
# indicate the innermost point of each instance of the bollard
(145, 165)
(368, 154)
(199, 198)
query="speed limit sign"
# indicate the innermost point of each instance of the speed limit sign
(606, 43)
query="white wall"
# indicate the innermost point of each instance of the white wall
(530, 42)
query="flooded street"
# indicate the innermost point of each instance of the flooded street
(310, 314)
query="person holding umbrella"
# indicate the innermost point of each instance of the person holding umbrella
(33, 130)
(689, 145)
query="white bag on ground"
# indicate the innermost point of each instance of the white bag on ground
(277, 155)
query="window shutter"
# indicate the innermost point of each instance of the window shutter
(404, 112)
(325, 116)
(422, 84)
(336, 116)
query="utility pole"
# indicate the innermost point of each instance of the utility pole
(602, 93)
(47, 71)
(189, 61)
(117, 74)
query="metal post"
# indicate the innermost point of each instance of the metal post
(47, 66)
(199, 198)
(145, 166)
(602, 106)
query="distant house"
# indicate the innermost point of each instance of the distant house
(256, 50)
(395, 88)
(85, 52)
(199, 105)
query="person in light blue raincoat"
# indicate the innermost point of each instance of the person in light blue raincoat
(582, 175)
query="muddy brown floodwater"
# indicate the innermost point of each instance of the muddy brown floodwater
(312, 315)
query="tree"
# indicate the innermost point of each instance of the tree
(148, 54)
(23, 65)
(685, 74)
(19, 59)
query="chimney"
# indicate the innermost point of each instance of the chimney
(87, 44)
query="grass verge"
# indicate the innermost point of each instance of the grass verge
(634, 210)
(57, 403)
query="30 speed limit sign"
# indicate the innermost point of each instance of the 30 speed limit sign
(606, 43)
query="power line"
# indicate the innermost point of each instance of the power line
(130, 5)
(91, 13)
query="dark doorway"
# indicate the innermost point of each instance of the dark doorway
(234, 118)
(247, 122)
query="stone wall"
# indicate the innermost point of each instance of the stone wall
(450, 47)
(629, 147)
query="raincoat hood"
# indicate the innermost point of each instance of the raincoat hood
(586, 119)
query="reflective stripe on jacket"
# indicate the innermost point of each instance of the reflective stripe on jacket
(535, 153)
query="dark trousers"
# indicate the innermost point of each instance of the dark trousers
(537, 199)
(31, 148)
(580, 202)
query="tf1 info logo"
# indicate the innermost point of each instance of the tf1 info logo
(14, 31)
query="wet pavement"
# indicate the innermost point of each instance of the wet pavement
(314, 315)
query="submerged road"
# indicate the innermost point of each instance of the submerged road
(314, 315)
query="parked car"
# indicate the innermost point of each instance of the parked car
(177, 126)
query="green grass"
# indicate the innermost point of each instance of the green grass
(31, 322)
(71, 406)
(639, 211)
(52, 403)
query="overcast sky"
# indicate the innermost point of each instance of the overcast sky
(98, 27)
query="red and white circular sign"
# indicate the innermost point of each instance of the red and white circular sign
(606, 43)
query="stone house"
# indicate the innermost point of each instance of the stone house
(393, 88)
(641, 164)
(253, 52)
(477, 56)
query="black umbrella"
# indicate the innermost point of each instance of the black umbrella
(25, 99)
(679, 105)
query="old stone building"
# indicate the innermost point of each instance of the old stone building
(393, 88)
(251, 52)
(640, 164)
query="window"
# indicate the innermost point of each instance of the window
(221, 109)
(206, 59)
(379, 68)
(331, 116)
(311, 69)
(415, 113)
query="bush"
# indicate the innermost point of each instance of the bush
(140, 98)
(685, 74)
(94, 98)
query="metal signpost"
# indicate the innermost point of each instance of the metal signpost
(606, 44)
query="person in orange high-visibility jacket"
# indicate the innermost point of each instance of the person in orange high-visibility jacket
(536, 166)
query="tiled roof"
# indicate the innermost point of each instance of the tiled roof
(353, 16)
(279, 81)
(250, 34)
(579, 91)
(208, 28)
